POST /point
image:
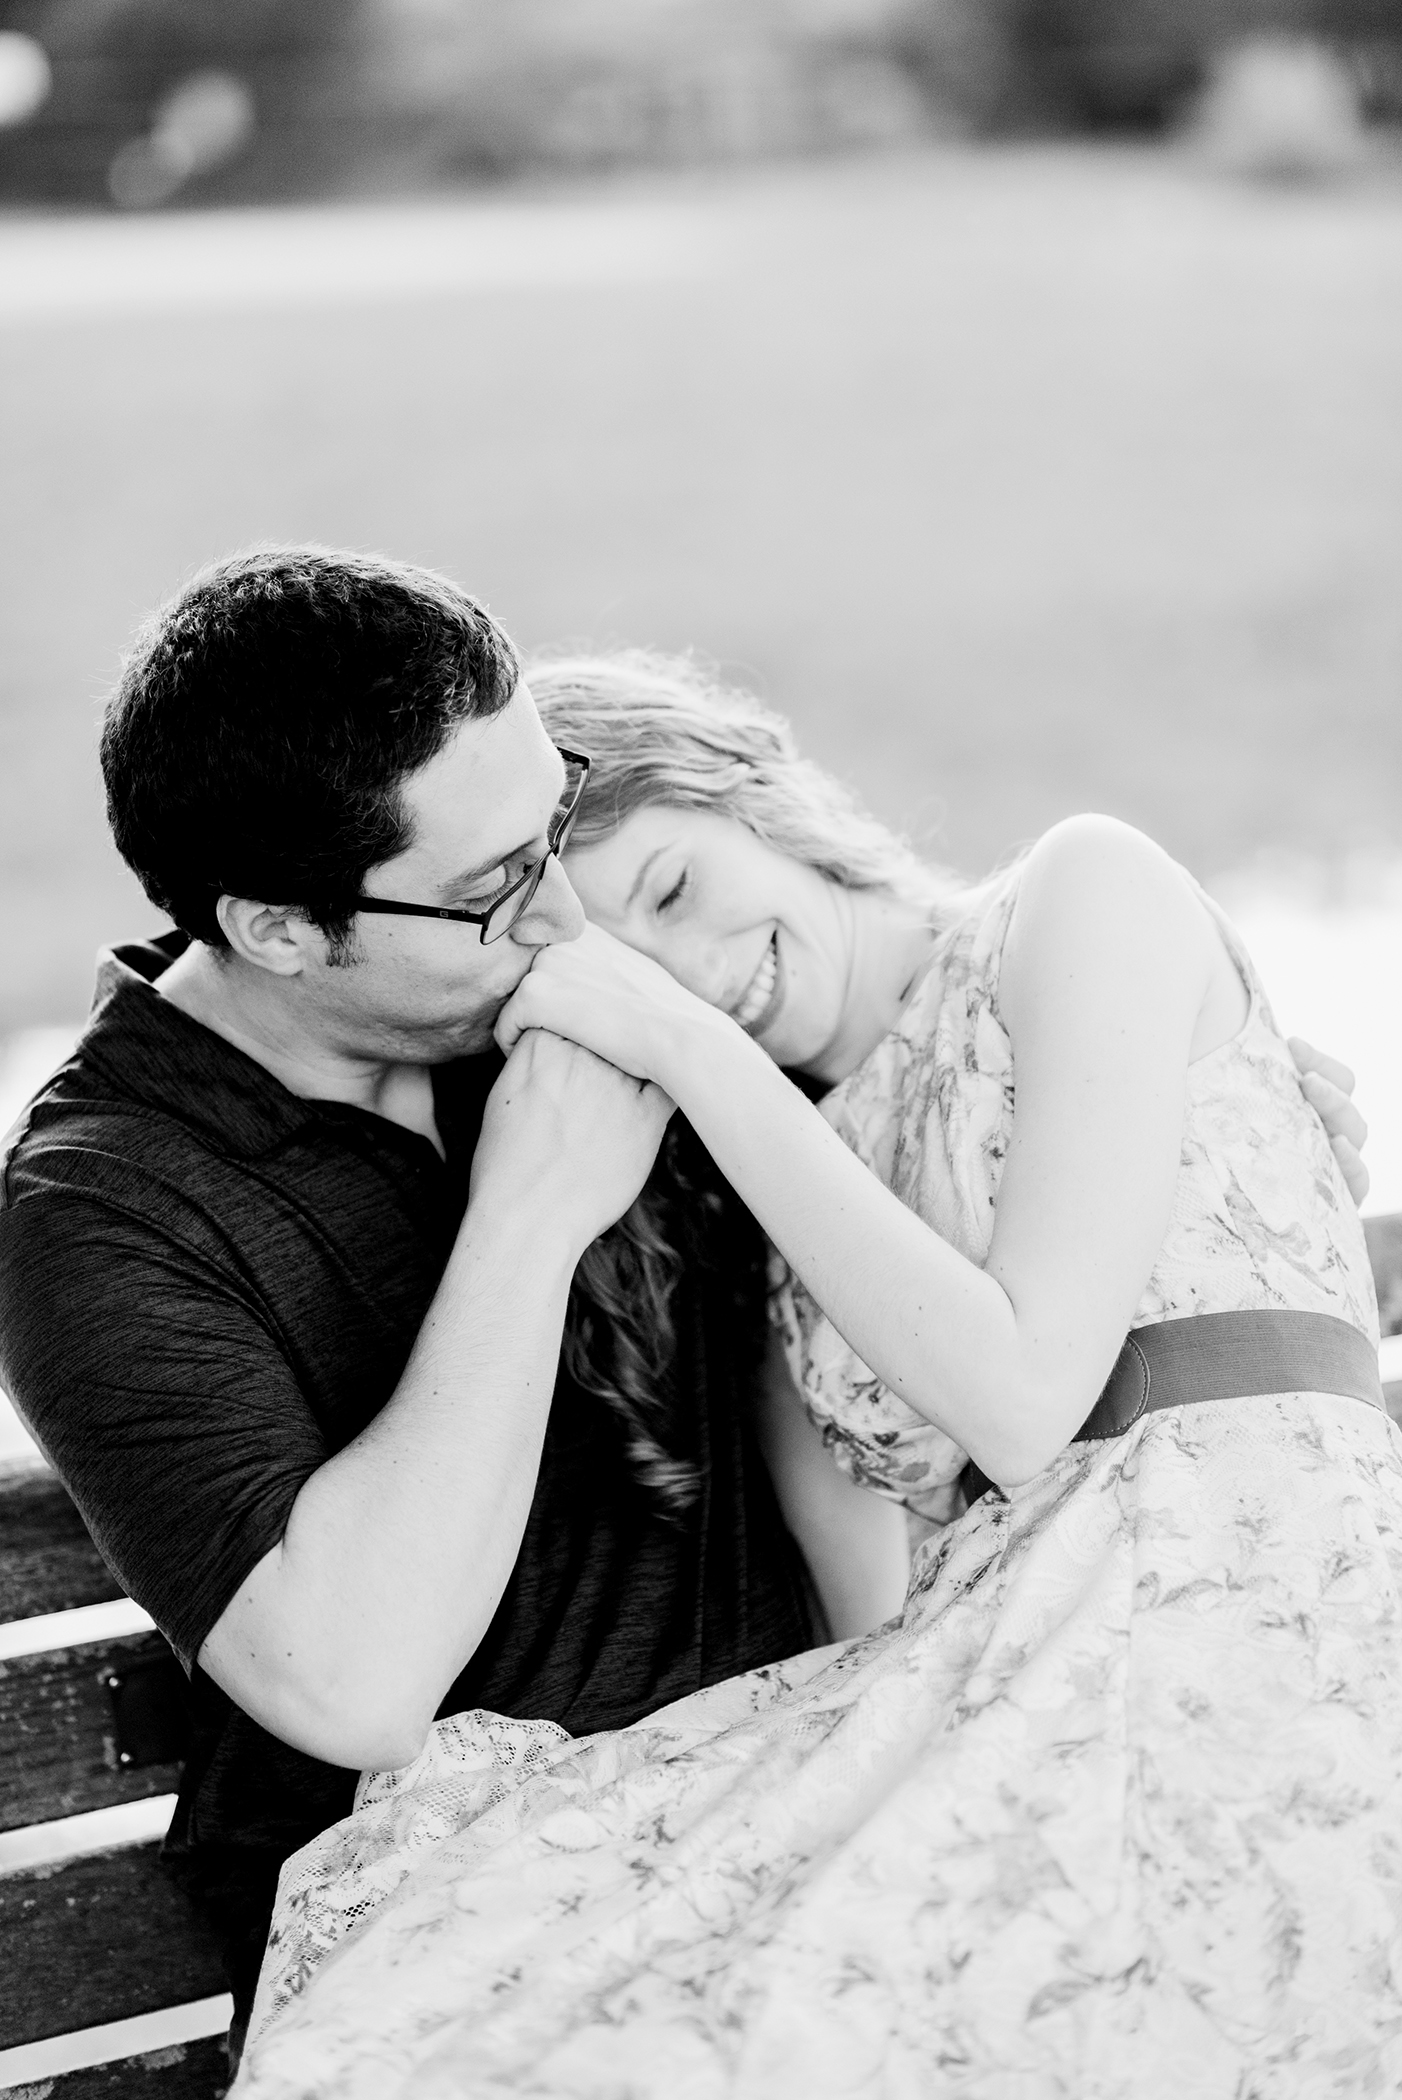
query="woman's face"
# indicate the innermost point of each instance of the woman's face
(738, 923)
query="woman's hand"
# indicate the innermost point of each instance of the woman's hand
(606, 996)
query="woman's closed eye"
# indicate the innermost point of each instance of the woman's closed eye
(676, 892)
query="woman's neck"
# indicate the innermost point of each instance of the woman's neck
(891, 944)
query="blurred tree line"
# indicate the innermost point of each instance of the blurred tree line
(237, 100)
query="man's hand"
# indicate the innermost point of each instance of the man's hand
(346, 1635)
(561, 1121)
(1328, 1088)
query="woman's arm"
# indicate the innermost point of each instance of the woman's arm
(1107, 967)
(856, 1544)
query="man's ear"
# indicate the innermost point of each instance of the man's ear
(270, 936)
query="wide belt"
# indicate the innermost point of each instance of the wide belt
(1224, 1356)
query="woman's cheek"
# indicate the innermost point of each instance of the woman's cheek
(679, 960)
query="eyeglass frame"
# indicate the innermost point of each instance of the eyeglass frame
(528, 880)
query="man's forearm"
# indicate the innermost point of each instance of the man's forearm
(346, 1636)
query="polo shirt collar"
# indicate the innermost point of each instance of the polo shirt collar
(176, 1065)
(162, 1057)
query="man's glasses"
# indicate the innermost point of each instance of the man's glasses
(506, 907)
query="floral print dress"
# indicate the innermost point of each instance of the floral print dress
(1113, 1811)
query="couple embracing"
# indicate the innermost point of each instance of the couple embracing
(502, 1280)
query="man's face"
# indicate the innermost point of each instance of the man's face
(424, 990)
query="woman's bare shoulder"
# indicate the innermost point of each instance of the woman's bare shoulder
(1094, 888)
(1093, 844)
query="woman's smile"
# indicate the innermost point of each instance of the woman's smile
(764, 994)
(692, 889)
(759, 935)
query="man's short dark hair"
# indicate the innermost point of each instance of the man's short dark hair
(266, 720)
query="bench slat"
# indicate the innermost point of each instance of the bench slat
(57, 1732)
(188, 2071)
(153, 2040)
(99, 1939)
(47, 1561)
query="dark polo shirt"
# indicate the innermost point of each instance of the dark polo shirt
(208, 1285)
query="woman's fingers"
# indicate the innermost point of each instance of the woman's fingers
(506, 1034)
(559, 997)
(514, 1019)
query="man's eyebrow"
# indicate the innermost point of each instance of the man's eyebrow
(641, 877)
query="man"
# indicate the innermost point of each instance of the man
(286, 1251)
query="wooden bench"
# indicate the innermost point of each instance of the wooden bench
(110, 1983)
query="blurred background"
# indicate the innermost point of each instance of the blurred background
(1010, 390)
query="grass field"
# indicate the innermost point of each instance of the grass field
(1026, 480)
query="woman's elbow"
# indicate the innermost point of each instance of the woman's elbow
(1022, 1447)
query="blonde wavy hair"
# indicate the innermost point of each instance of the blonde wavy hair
(665, 729)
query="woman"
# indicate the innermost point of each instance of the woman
(1115, 1807)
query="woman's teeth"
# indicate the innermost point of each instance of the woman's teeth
(761, 988)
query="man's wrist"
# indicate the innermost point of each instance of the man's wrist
(542, 1228)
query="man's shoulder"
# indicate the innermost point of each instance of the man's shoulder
(85, 1145)
(79, 1123)
(147, 1095)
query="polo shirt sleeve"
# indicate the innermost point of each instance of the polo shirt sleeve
(162, 1398)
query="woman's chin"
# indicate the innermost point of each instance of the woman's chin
(795, 1049)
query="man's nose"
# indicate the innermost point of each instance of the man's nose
(553, 914)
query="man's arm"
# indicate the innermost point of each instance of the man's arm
(344, 1637)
